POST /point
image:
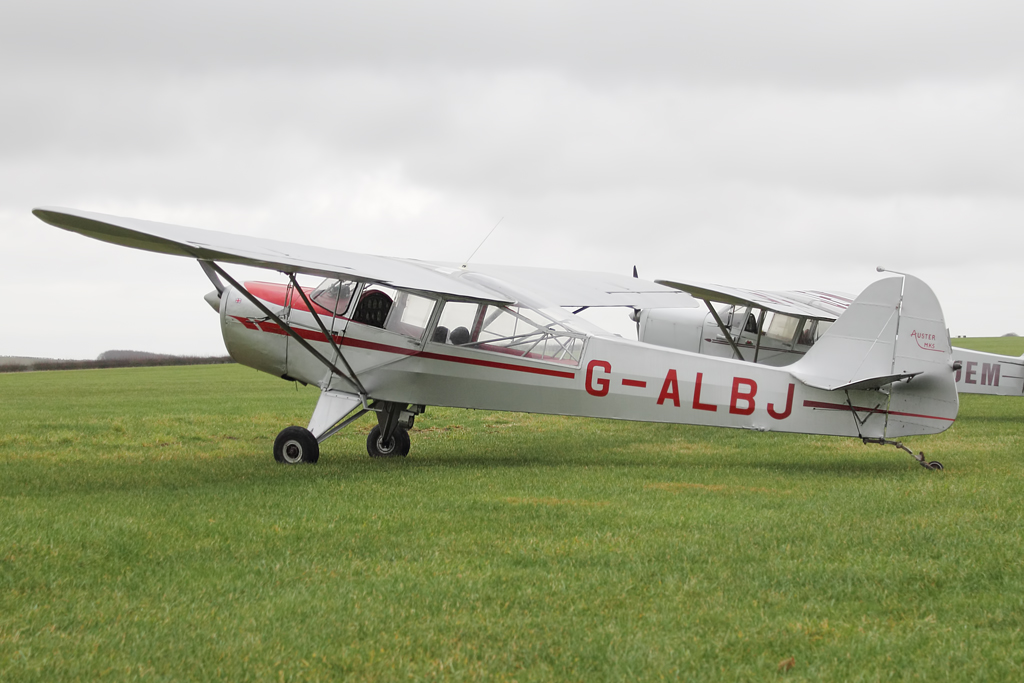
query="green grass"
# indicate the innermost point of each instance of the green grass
(146, 533)
(1007, 346)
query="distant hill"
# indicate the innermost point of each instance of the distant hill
(20, 360)
(131, 355)
(107, 359)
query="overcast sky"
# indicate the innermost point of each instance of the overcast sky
(776, 145)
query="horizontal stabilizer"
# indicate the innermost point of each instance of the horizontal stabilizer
(873, 382)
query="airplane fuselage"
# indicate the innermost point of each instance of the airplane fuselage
(609, 377)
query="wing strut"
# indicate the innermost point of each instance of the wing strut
(760, 331)
(354, 381)
(725, 330)
(210, 273)
(330, 337)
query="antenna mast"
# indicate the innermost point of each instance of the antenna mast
(466, 262)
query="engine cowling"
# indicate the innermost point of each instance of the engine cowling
(250, 337)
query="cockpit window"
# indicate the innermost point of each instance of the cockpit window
(782, 328)
(374, 305)
(807, 333)
(394, 310)
(513, 330)
(751, 325)
(333, 295)
(410, 314)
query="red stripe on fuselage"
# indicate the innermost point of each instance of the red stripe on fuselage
(503, 366)
(313, 335)
(858, 409)
(274, 328)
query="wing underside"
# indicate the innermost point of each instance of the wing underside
(496, 284)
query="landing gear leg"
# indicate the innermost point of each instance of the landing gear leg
(390, 438)
(919, 457)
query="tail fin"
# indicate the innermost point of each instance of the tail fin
(892, 340)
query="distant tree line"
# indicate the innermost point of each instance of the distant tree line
(142, 360)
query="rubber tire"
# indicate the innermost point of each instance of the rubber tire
(295, 446)
(400, 444)
(935, 465)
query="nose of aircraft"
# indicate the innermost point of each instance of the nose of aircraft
(213, 298)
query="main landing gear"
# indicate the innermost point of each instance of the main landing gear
(395, 447)
(919, 457)
(296, 445)
(388, 439)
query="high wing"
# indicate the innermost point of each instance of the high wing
(496, 284)
(801, 303)
(209, 245)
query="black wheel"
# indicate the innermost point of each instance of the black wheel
(398, 447)
(935, 465)
(296, 445)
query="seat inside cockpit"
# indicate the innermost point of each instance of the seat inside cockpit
(373, 308)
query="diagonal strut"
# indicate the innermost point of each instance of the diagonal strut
(354, 381)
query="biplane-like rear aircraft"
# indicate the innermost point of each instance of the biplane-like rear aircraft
(778, 328)
(393, 336)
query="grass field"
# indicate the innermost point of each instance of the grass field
(146, 533)
(1008, 346)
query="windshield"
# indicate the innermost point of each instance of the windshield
(333, 295)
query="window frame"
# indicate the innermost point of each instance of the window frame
(542, 329)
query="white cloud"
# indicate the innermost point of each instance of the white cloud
(775, 146)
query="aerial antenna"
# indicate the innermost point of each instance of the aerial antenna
(466, 262)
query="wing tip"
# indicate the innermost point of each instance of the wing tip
(54, 214)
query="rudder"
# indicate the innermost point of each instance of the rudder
(892, 340)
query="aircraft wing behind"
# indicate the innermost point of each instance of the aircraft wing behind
(497, 284)
(801, 303)
(573, 289)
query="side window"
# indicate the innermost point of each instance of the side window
(822, 328)
(393, 310)
(807, 333)
(457, 319)
(510, 330)
(739, 317)
(409, 314)
(782, 328)
(751, 324)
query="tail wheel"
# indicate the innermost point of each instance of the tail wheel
(295, 445)
(935, 465)
(396, 447)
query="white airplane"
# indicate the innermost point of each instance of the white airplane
(778, 328)
(393, 336)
